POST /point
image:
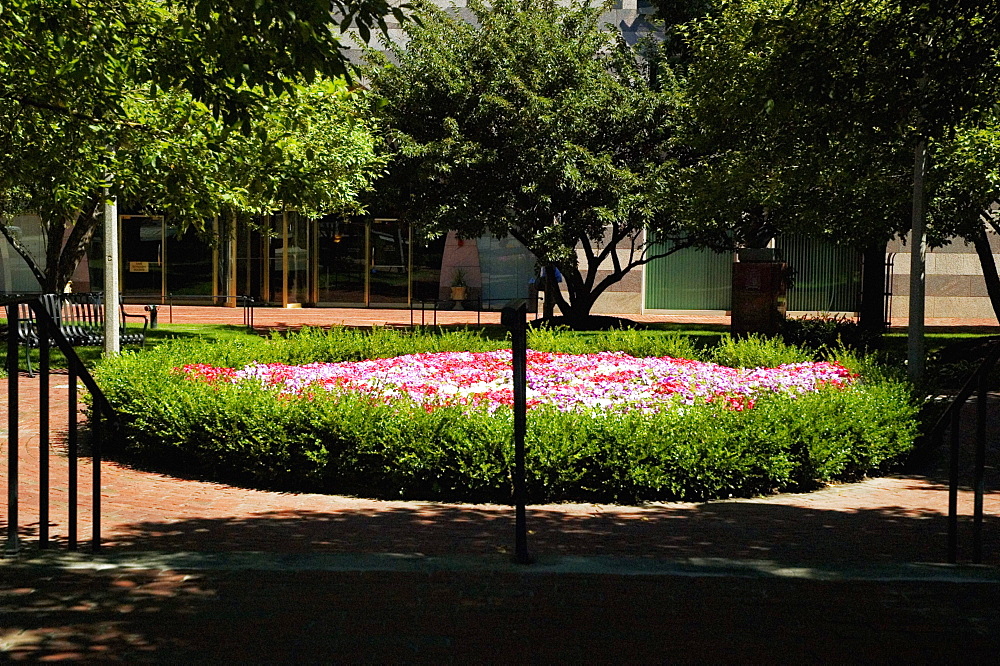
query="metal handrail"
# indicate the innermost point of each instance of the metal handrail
(435, 304)
(103, 414)
(246, 301)
(978, 382)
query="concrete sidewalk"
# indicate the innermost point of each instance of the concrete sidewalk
(195, 571)
(257, 608)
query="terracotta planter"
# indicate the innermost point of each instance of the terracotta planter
(458, 293)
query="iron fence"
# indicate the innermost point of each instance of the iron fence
(103, 423)
(951, 421)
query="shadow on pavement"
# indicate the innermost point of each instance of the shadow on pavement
(738, 529)
(454, 616)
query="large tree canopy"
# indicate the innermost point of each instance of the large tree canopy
(193, 105)
(802, 115)
(535, 122)
(769, 157)
(83, 58)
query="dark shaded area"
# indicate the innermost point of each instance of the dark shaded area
(588, 323)
(723, 529)
(488, 617)
(969, 350)
(951, 366)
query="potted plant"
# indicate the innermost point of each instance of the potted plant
(459, 288)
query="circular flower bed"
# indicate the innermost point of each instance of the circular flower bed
(605, 380)
(415, 422)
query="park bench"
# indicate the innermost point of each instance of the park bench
(80, 318)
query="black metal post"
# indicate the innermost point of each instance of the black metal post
(953, 486)
(73, 446)
(43, 431)
(97, 435)
(12, 418)
(979, 475)
(514, 318)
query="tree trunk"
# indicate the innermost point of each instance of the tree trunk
(872, 312)
(989, 266)
(63, 251)
(73, 249)
(551, 290)
(576, 308)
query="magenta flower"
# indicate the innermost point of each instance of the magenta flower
(605, 380)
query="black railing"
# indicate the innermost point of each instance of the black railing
(246, 301)
(978, 382)
(103, 422)
(475, 304)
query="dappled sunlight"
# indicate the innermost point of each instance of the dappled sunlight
(725, 529)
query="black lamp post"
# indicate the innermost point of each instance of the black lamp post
(514, 318)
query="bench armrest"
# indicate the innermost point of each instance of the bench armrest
(144, 318)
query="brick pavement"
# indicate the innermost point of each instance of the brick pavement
(450, 614)
(272, 316)
(892, 519)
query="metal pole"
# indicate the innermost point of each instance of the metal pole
(918, 252)
(978, 483)
(73, 452)
(112, 290)
(43, 432)
(97, 430)
(514, 317)
(12, 418)
(953, 486)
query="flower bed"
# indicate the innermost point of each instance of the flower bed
(606, 380)
(419, 420)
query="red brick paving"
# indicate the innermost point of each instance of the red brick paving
(894, 519)
(272, 316)
(51, 612)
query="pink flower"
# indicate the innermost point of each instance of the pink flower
(605, 380)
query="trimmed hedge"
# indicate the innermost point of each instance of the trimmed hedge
(348, 444)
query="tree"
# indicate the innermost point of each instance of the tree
(312, 149)
(763, 161)
(534, 122)
(965, 183)
(152, 91)
(806, 114)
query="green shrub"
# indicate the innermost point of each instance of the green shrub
(825, 331)
(558, 340)
(350, 444)
(631, 341)
(756, 351)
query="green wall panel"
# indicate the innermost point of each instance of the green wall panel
(689, 280)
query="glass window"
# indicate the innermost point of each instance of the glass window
(507, 269)
(341, 261)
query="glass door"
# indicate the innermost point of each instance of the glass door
(191, 263)
(389, 264)
(142, 255)
(341, 265)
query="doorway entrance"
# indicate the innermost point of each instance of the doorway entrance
(373, 263)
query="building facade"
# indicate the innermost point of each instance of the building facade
(287, 260)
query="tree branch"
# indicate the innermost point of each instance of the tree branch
(989, 266)
(66, 111)
(25, 254)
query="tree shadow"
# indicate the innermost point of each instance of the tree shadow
(736, 529)
(492, 616)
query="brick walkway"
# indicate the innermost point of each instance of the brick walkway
(293, 317)
(445, 612)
